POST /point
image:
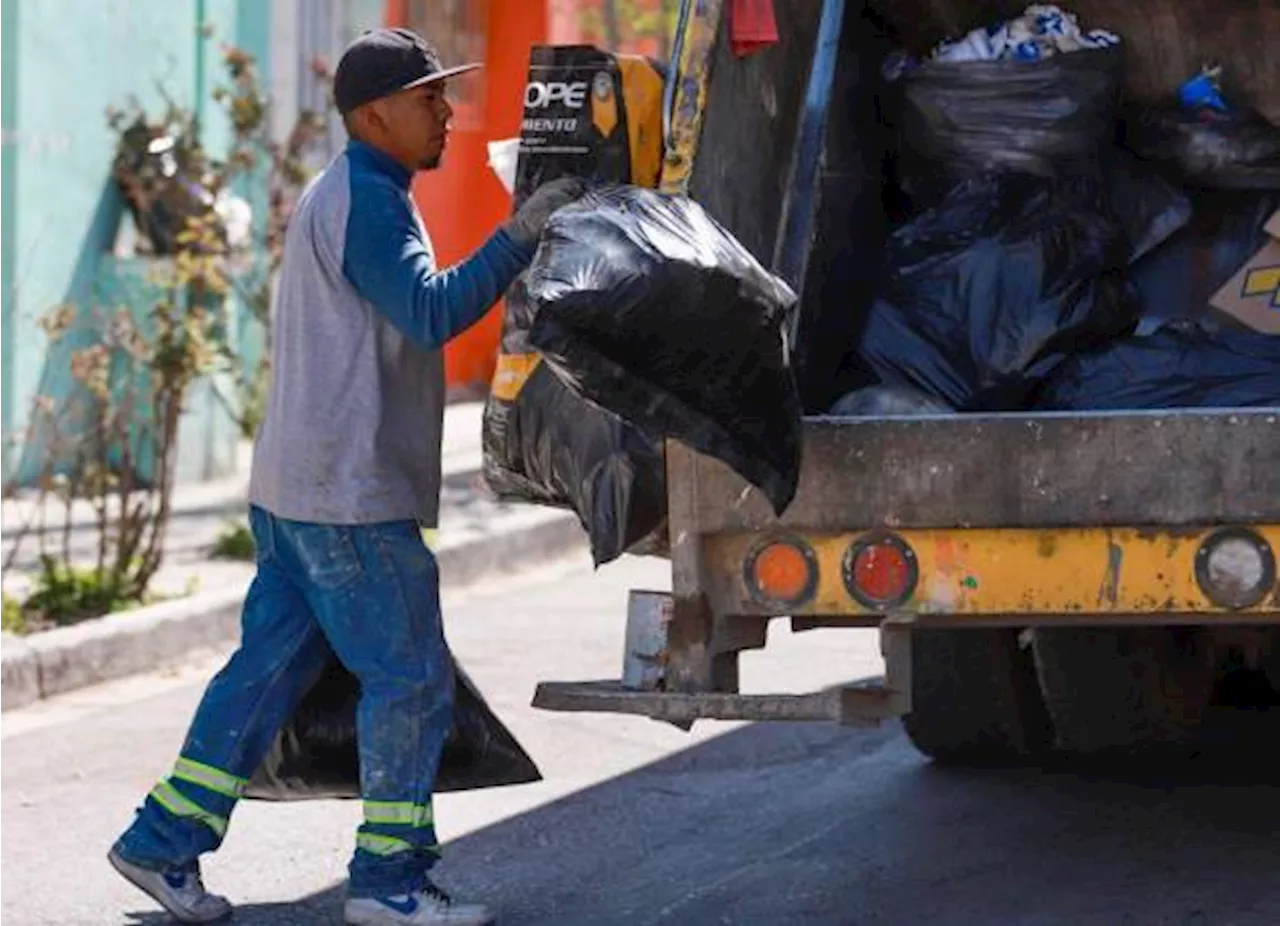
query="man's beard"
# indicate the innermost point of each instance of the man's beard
(431, 162)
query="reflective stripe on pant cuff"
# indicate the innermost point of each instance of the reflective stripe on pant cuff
(168, 797)
(382, 845)
(207, 776)
(399, 813)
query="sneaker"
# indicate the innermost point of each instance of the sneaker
(179, 890)
(427, 907)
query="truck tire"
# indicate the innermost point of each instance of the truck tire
(974, 699)
(1125, 690)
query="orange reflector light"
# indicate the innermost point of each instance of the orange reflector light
(782, 571)
(880, 572)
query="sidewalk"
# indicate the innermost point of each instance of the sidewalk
(479, 539)
(204, 511)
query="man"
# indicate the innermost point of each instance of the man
(345, 473)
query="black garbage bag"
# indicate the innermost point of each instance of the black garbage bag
(646, 306)
(1046, 117)
(545, 444)
(1147, 207)
(315, 756)
(986, 294)
(887, 401)
(1180, 365)
(1236, 149)
(1178, 279)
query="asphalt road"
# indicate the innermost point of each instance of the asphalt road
(638, 823)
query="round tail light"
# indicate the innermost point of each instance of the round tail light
(1235, 568)
(880, 571)
(782, 571)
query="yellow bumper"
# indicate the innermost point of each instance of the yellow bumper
(1098, 571)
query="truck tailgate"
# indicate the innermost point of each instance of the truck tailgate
(1165, 469)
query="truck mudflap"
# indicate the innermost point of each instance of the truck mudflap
(643, 688)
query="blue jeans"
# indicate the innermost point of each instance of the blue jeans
(369, 593)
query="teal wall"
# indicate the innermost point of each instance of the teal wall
(8, 225)
(64, 62)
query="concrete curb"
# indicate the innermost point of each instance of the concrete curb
(146, 639)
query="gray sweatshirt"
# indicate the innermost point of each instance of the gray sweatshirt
(352, 428)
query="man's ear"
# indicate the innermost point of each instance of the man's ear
(379, 115)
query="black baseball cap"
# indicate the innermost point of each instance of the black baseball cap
(385, 61)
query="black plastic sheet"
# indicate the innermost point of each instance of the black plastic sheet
(550, 446)
(315, 757)
(646, 306)
(1180, 365)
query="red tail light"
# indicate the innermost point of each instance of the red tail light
(880, 571)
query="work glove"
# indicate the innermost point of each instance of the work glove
(525, 227)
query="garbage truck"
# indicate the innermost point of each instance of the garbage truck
(1080, 582)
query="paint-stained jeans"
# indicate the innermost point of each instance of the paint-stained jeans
(371, 594)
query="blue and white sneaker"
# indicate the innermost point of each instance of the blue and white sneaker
(179, 890)
(427, 907)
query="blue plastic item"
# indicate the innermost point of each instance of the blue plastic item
(1203, 91)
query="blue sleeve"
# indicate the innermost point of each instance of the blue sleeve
(386, 260)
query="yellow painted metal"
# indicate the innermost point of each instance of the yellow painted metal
(1119, 571)
(699, 45)
(642, 93)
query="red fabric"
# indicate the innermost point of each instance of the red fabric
(752, 26)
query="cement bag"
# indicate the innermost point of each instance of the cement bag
(645, 306)
(315, 756)
(987, 293)
(1180, 365)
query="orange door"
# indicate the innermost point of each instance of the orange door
(463, 202)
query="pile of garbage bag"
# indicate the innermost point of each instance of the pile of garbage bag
(986, 293)
(1061, 254)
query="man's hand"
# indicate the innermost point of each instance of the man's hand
(525, 227)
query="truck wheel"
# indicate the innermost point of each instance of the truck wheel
(1125, 690)
(974, 699)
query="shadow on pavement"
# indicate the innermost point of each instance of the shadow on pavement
(781, 824)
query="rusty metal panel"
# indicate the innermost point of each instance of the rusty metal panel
(1172, 469)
